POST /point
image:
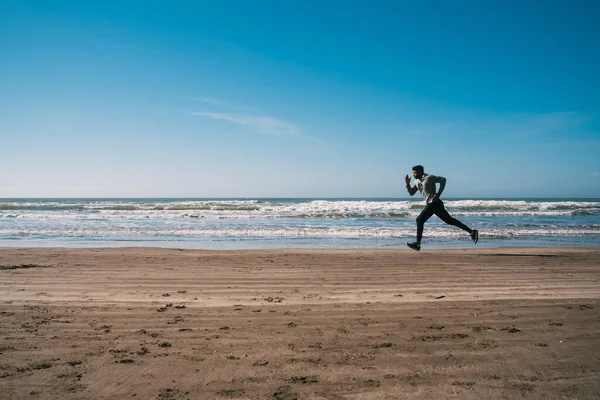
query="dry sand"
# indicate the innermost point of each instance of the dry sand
(141, 323)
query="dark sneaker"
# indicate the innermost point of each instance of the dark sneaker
(414, 246)
(475, 236)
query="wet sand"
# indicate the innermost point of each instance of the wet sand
(149, 323)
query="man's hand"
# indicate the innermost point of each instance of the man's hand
(435, 198)
(407, 180)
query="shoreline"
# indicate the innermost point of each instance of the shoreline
(475, 248)
(400, 247)
(138, 322)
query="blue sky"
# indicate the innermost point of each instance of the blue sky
(298, 98)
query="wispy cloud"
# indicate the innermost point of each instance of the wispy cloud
(214, 102)
(268, 125)
(260, 124)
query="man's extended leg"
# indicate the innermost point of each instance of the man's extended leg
(447, 218)
(443, 214)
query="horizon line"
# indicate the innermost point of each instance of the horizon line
(298, 197)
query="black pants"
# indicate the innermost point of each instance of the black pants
(438, 209)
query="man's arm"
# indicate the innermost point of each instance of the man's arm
(441, 180)
(411, 189)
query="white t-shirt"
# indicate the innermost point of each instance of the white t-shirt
(426, 185)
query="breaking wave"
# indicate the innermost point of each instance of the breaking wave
(345, 232)
(252, 209)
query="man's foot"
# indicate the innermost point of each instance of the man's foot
(415, 246)
(475, 236)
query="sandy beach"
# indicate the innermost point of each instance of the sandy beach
(152, 323)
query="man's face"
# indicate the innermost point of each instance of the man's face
(417, 174)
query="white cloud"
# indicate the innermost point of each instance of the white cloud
(265, 125)
(214, 102)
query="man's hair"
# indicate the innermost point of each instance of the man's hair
(419, 168)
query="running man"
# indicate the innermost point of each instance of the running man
(425, 184)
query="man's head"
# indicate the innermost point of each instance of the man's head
(418, 171)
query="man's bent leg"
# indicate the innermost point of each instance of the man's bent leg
(427, 212)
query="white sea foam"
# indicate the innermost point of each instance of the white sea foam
(252, 209)
(521, 205)
(289, 208)
(278, 220)
(266, 232)
(265, 214)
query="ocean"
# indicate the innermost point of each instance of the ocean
(293, 223)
